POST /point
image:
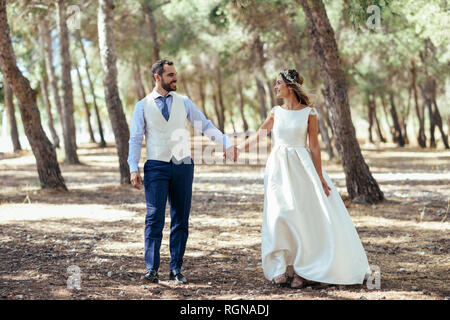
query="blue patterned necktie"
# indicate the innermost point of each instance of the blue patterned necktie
(165, 109)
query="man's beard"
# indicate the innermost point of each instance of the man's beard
(166, 86)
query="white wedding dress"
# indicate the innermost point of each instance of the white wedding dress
(302, 227)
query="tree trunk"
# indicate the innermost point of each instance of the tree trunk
(149, 13)
(241, 103)
(86, 106)
(220, 100)
(439, 124)
(44, 82)
(380, 134)
(217, 111)
(393, 132)
(405, 116)
(361, 186)
(324, 133)
(91, 86)
(428, 101)
(202, 94)
(9, 105)
(47, 44)
(370, 118)
(140, 90)
(46, 162)
(271, 94)
(325, 115)
(230, 114)
(70, 143)
(421, 138)
(48, 109)
(398, 136)
(115, 110)
(262, 98)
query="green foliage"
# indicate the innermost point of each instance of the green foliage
(201, 36)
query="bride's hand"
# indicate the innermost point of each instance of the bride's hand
(325, 186)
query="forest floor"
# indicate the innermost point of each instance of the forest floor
(98, 226)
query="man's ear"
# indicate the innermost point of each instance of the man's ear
(157, 77)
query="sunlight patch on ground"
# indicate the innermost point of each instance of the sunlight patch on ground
(15, 212)
(373, 222)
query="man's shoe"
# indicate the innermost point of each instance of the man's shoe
(150, 277)
(176, 276)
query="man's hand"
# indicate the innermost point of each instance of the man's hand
(231, 153)
(136, 179)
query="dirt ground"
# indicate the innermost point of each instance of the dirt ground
(97, 228)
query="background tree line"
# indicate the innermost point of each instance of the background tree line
(80, 66)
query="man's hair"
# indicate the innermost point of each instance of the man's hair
(158, 67)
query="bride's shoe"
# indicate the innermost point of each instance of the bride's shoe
(297, 282)
(281, 279)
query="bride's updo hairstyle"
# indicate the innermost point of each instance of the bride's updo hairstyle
(295, 81)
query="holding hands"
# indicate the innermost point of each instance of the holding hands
(231, 153)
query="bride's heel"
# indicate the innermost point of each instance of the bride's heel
(298, 282)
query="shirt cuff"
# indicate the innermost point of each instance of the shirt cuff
(133, 168)
(227, 142)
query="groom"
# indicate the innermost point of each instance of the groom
(160, 117)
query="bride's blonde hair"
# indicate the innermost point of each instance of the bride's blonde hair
(295, 81)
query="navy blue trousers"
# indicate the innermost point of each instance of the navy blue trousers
(167, 181)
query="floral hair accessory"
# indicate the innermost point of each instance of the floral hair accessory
(289, 75)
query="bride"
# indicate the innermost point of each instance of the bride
(306, 226)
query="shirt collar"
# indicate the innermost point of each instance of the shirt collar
(156, 95)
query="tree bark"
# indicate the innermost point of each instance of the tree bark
(271, 94)
(421, 138)
(370, 117)
(217, 111)
(221, 105)
(9, 105)
(48, 109)
(380, 134)
(262, 98)
(47, 44)
(149, 13)
(46, 162)
(405, 114)
(140, 90)
(202, 94)
(115, 110)
(398, 136)
(428, 101)
(438, 121)
(361, 186)
(325, 116)
(241, 103)
(387, 117)
(91, 87)
(324, 132)
(70, 144)
(86, 106)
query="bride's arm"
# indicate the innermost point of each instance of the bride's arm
(313, 132)
(264, 130)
